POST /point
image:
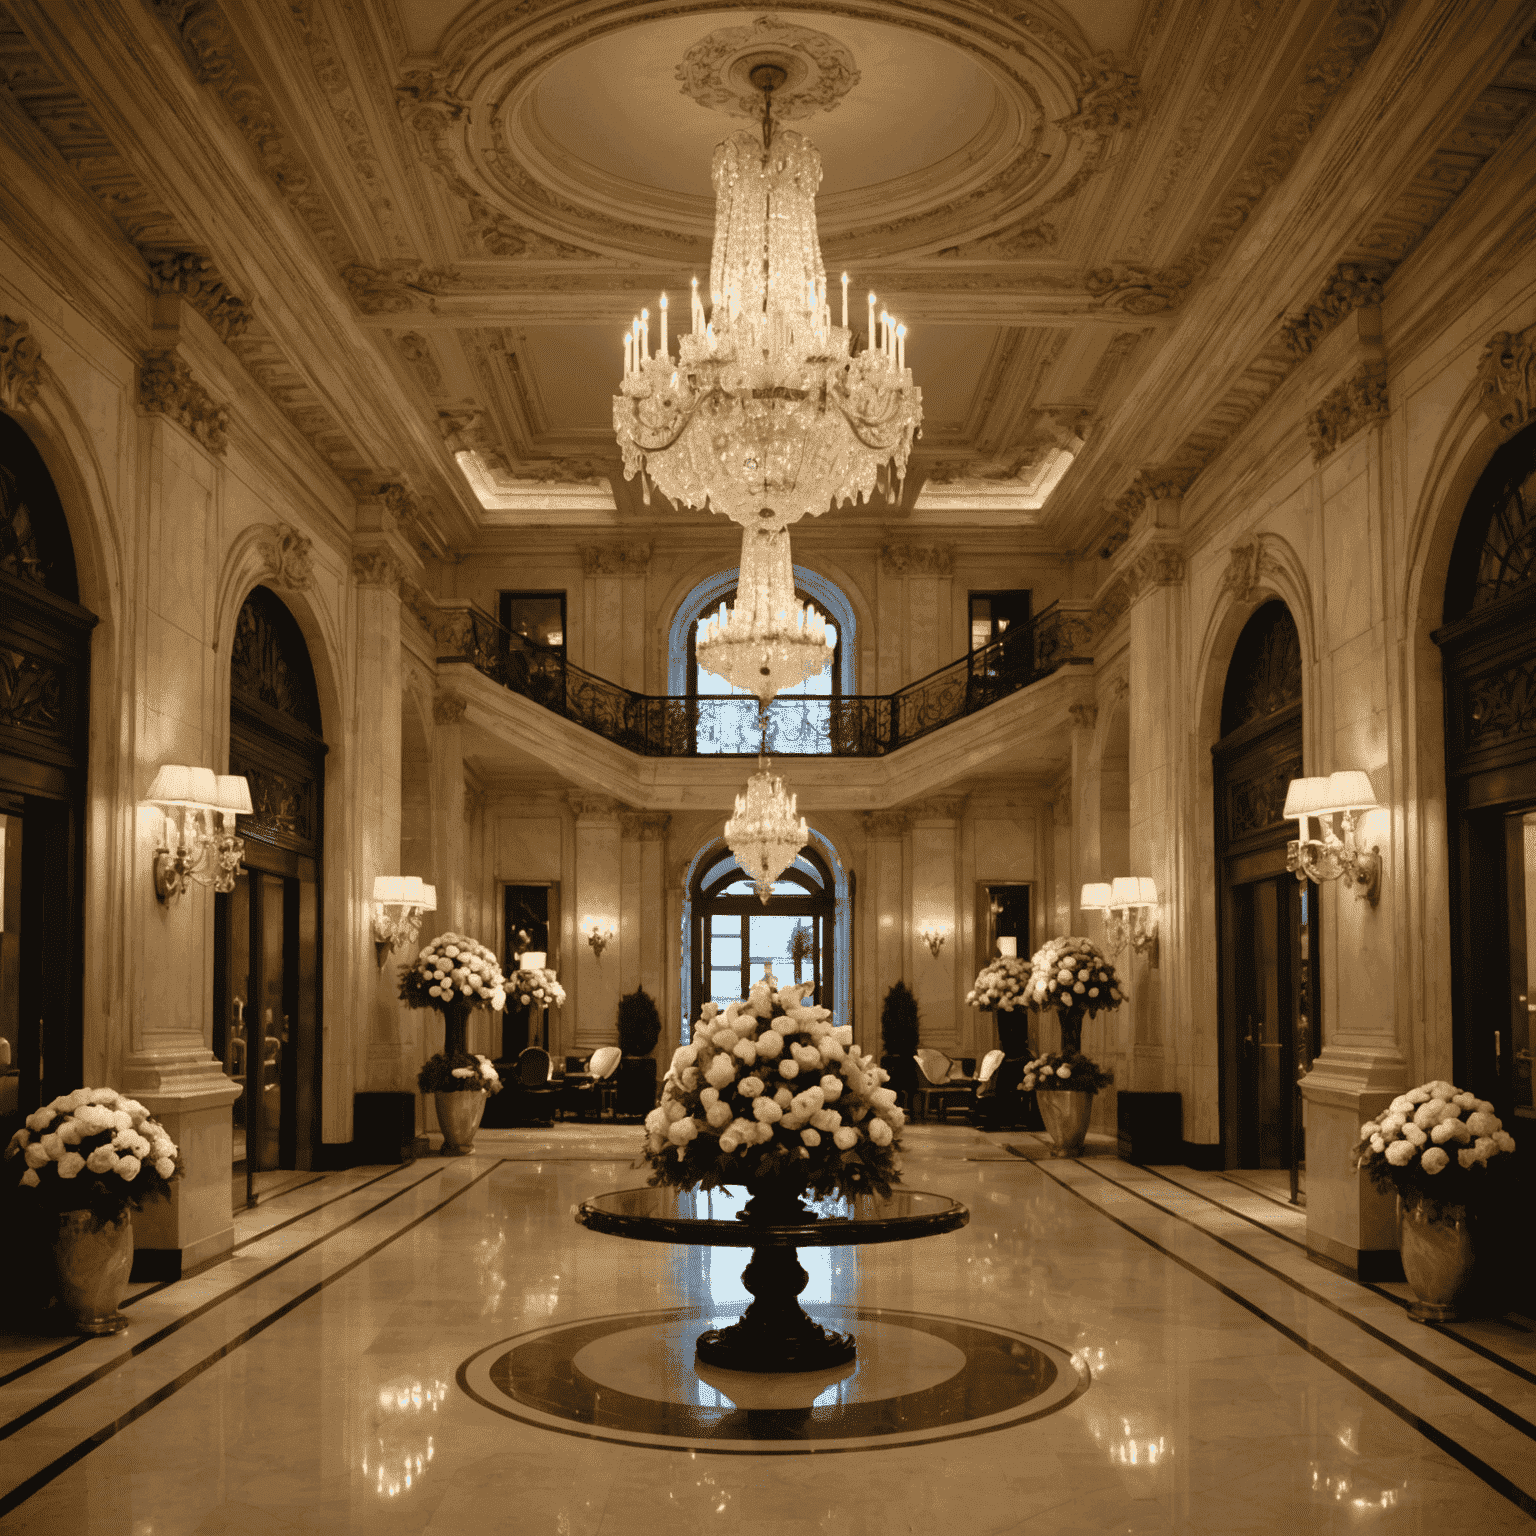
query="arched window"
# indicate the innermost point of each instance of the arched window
(727, 718)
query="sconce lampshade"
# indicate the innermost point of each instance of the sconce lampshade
(234, 793)
(389, 890)
(427, 899)
(172, 786)
(1306, 797)
(1133, 891)
(404, 891)
(1095, 897)
(1349, 790)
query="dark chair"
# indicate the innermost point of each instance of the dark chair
(536, 1095)
(637, 1088)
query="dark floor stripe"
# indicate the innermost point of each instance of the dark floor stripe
(40, 1479)
(37, 1410)
(350, 1190)
(1258, 1194)
(1492, 1405)
(1453, 1448)
(282, 1194)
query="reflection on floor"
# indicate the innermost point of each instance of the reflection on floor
(325, 1378)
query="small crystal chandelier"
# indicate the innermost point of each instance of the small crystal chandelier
(769, 640)
(768, 414)
(765, 833)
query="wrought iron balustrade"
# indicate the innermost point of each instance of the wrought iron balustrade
(836, 725)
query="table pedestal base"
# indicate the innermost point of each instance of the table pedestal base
(774, 1333)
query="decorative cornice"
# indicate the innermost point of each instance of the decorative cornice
(377, 568)
(1112, 99)
(1506, 379)
(1083, 716)
(1249, 562)
(645, 826)
(937, 808)
(167, 388)
(448, 708)
(595, 807)
(1163, 482)
(466, 426)
(192, 275)
(389, 495)
(1133, 290)
(1159, 565)
(886, 826)
(615, 559)
(918, 559)
(408, 286)
(285, 553)
(1353, 285)
(416, 348)
(1346, 410)
(21, 361)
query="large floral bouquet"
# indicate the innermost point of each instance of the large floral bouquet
(1001, 983)
(770, 1091)
(1073, 976)
(1065, 1070)
(1433, 1144)
(535, 987)
(97, 1150)
(459, 1073)
(453, 970)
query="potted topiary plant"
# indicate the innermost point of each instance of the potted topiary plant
(639, 1027)
(900, 1029)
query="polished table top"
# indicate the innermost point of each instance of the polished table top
(712, 1218)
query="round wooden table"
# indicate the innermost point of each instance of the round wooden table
(774, 1333)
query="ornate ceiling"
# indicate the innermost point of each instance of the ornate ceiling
(422, 230)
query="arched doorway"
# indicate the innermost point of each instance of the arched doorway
(1488, 652)
(735, 934)
(44, 695)
(267, 959)
(1267, 923)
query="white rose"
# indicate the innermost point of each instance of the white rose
(71, 1132)
(826, 1119)
(1400, 1153)
(745, 1051)
(680, 1132)
(1434, 1159)
(883, 1098)
(728, 1143)
(656, 1121)
(1412, 1133)
(789, 1068)
(770, 1044)
(1377, 1144)
(102, 1160)
(35, 1155)
(165, 1167)
(879, 1133)
(718, 1115)
(1369, 1129)
(750, 1087)
(1479, 1123)
(1504, 1141)
(810, 1138)
(844, 1137)
(722, 1072)
(30, 1177)
(766, 1111)
(71, 1164)
(1468, 1157)
(831, 1088)
(1444, 1131)
(1063, 1070)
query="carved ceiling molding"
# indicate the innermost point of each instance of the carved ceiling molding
(377, 568)
(1132, 290)
(937, 808)
(819, 70)
(193, 276)
(167, 388)
(448, 708)
(387, 494)
(1506, 380)
(1112, 99)
(1083, 716)
(417, 351)
(21, 364)
(1353, 285)
(1251, 567)
(595, 807)
(886, 826)
(1158, 565)
(1346, 410)
(286, 558)
(918, 559)
(615, 559)
(396, 290)
(645, 826)
(467, 427)
(205, 35)
(1164, 482)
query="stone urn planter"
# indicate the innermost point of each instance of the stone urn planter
(458, 1114)
(1438, 1257)
(1066, 1112)
(91, 1262)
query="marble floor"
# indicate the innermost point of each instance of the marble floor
(1104, 1348)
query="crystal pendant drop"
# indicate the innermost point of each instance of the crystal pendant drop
(765, 833)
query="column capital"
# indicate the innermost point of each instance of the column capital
(21, 362)
(886, 826)
(645, 826)
(1506, 379)
(937, 808)
(448, 708)
(1347, 410)
(595, 807)
(918, 559)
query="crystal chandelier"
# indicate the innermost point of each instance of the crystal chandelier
(765, 834)
(769, 640)
(768, 413)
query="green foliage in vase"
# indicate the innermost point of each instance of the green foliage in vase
(639, 1023)
(458, 1072)
(1066, 1071)
(900, 1021)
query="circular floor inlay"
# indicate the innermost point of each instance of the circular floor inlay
(632, 1379)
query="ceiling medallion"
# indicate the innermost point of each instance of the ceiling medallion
(818, 70)
(765, 833)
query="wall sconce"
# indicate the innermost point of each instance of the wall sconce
(1129, 905)
(399, 903)
(933, 936)
(599, 935)
(197, 829)
(1330, 857)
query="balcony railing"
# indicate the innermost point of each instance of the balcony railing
(839, 725)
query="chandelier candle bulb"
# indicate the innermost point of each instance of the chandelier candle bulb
(645, 334)
(664, 351)
(901, 347)
(845, 301)
(871, 322)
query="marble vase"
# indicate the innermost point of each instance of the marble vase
(92, 1261)
(1438, 1257)
(1066, 1112)
(459, 1116)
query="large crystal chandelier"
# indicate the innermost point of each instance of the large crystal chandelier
(765, 833)
(768, 413)
(769, 640)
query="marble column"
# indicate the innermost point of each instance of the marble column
(916, 590)
(934, 879)
(594, 981)
(882, 945)
(613, 635)
(641, 939)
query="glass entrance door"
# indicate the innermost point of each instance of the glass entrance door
(1516, 1065)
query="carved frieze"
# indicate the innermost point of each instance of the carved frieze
(1506, 380)
(886, 826)
(377, 568)
(448, 708)
(286, 558)
(1255, 804)
(1158, 565)
(937, 808)
(1501, 705)
(1249, 563)
(192, 275)
(1353, 285)
(713, 75)
(645, 826)
(918, 559)
(21, 361)
(1133, 290)
(281, 807)
(595, 807)
(167, 388)
(31, 692)
(1083, 716)
(615, 559)
(465, 427)
(405, 287)
(416, 349)
(1346, 410)
(1111, 99)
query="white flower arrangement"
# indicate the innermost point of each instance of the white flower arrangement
(453, 970)
(1072, 975)
(535, 987)
(95, 1149)
(459, 1073)
(1065, 1071)
(1002, 984)
(1432, 1144)
(770, 1090)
